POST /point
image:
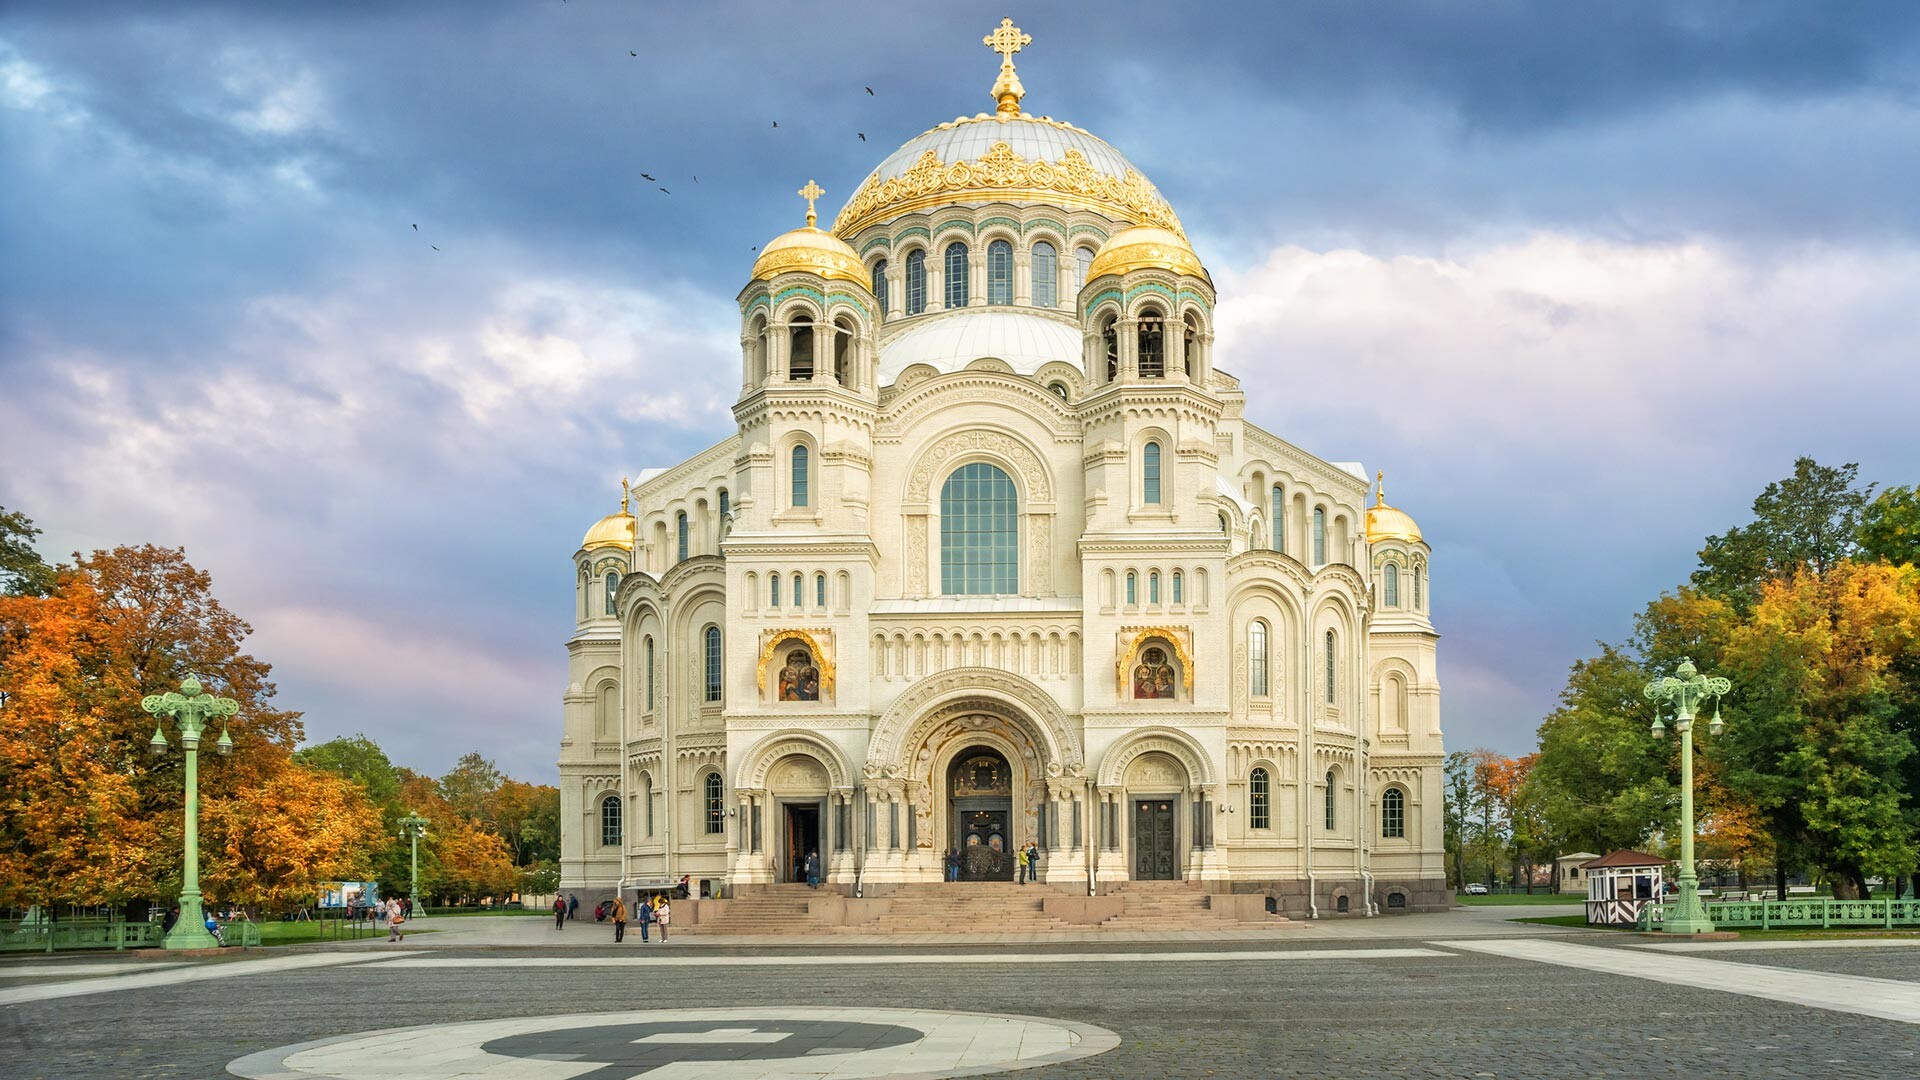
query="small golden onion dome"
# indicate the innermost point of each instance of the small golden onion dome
(1386, 522)
(1143, 247)
(614, 530)
(812, 251)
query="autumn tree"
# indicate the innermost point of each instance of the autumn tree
(1809, 519)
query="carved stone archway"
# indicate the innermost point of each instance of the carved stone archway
(938, 698)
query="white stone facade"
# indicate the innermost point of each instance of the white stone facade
(1298, 749)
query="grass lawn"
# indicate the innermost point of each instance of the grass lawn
(1504, 899)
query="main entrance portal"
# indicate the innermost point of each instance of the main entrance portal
(803, 839)
(980, 785)
(1154, 858)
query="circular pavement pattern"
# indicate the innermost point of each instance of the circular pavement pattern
(685, 1043)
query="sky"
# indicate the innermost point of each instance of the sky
(369, 306)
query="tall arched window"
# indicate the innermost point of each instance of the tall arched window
(1152, 334)
(647, 654)
(800, 353)
(773, 590)
(1110, 342)
(610, 820)
(1332, 780)
(713, 663)
(955, 274)
(1153, 587)
(799, 476)
(1191, 347)
(1083, 261)
(1046, 275)
(1133, 588)
(1259, 794)
(1277, 511)
(916, 282)
(1178, 587)
(1150, 474)
(979, 532)
(716, 800)
(1393, 814)
(1331, 642)
(611, 585)
(726, 508)
(1319, 536)
(799, 591)
(680, 536)
(880, 285)
(999, 272)
(820, 590)
(1390, 585)
(1257, 658)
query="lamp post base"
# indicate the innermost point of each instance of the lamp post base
(1687, 915)
(190, 930)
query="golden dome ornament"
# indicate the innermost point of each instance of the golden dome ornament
(614, 530)
(1386, 522)
(810, 250)
(1143, 247)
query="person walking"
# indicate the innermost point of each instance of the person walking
(663, 915)
(1020, 860)
(953, 864)
(813, 869)
(396, 915)
(619, 920)
(573, 906)
(645, 916)
(559, 913)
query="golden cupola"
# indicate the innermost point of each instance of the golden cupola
(1142, 247)
(614, 530)
(1386, 522)
(810, 250)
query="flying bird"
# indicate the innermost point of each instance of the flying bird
(869, 91)
(644, 176)
(755, 247)
(630, 52)
(665, 190)
(696, 179)
(776, 123)
(862, 134)
(436, 247)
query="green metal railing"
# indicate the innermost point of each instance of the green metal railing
(82, 934)
(1805, 912)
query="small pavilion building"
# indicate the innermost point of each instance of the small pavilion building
(1621, 884)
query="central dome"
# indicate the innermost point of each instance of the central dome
(1006, 158)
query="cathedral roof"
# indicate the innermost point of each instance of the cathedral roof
(1146, 246)
(1389, 522)
(951, 340)
(812, 250)
(615, 530)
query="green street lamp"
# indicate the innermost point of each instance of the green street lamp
(414, 826)
(1685, 689)
(190, 709)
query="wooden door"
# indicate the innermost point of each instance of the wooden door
(1154, 855)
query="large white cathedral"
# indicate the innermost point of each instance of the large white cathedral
(994, 558)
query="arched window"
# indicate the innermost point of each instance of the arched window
(611, 584)
(646, 800)
(979, 532)
(1110, 343)
(1046, 275)
(610, 820)
(1190, 342)
(716, 799)
(1390, 585)
(726, 508)
(1178, 583)
(799, 591)
(647, 652)
(999, 272)
(680, 536)
(1133, 588)
(1083, 261)
(773, 590)
(1224, 526)
(1153, 587)
(820, 590)
(1059, 390)
(713, 663)
(1259, 809)
(956, 275)
(1257, 658)
(1393, 814)
(1331, 781)
(843, 334)
(799, 476)
(916, 282)
(880, 285)
(1319, 536)
(1150, 474)
(1331, 642)
(1152, 334)
(1278, 513)
(800, 355)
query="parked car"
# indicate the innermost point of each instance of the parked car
(1476, 889)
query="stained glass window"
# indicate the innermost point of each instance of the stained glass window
(956, 275)
(1046, 275)
(979, 532)
(999, 272)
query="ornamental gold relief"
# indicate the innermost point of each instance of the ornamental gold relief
(819, 655)
(1003, 170)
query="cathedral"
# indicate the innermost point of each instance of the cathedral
(994, 559)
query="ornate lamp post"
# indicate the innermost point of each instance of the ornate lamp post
(1685, 689)
(190, 709)
(414, 826)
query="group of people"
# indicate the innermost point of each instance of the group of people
(649, 912)
(1026, 860)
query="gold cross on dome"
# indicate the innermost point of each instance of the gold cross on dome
(1007, 40)
(811, 192)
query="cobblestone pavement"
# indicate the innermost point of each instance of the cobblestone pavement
(1451, 1015)
(1901, 962)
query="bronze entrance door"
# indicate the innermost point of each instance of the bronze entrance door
(986, 849)
(1154, 857)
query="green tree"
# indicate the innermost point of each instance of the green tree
(471, 787)
(1461, 814)
(1601, 781)
(22, 571)
(359, 759)
(1808, 519)
(1890, 527)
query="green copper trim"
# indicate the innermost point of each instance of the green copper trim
(981, 226)
(912, 230)
(878, 241)
(1040, 222)
(955, 222)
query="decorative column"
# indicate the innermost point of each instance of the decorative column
(1685, 689)
(1111, 862)
(190, 710)
(1023, 276)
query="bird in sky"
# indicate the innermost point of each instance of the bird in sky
(644, 176)
(869, 91)
(630, 52)
(416, 228)
(776, 123)
(755, 247)
(862, 134)
(696, 179)
(665, 191)
(435, 247)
